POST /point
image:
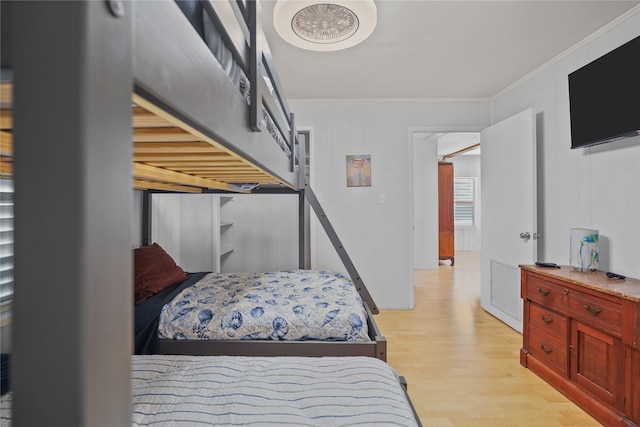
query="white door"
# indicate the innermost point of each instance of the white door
(508, 165)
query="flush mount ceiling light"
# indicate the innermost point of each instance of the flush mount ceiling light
(324, 26)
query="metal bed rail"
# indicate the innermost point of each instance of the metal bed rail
(174, 69)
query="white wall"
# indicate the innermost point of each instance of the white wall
(425, 200)
(377, 236)
(265, 233)
(185, 226)
(467, 238)
(596, 187)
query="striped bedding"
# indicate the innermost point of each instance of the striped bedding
(264, 391)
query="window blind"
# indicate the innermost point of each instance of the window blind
(6, 240)
(464, 201)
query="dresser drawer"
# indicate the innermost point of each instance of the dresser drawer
(548, 322)
(598, 312)
(546, 293)
(548, 351)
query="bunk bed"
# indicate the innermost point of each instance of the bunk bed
(213, 119)
(231, 33)
(198, 126)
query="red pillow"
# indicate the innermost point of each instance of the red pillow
(155, 270)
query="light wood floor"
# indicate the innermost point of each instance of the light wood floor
(462, 364)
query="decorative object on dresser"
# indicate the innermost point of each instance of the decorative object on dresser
(582, 335)
(584, 249)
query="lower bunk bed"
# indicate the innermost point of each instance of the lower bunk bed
(281, 313)
(172, 390)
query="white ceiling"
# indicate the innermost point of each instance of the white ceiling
(452, 142)
(441, 49)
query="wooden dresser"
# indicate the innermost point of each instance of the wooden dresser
(581, 334)
(446, 229)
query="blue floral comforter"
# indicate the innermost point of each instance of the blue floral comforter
(284, 305)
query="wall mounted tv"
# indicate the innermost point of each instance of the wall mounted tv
(604, 97)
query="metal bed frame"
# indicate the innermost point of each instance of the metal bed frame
(116, 64)
(225, 126)
(377, 347)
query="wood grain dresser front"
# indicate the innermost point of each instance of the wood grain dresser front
(581, 335)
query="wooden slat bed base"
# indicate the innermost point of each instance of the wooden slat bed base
(192, 153)
(167, 154)
(139, 184)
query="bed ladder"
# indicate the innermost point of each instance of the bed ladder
(339, 247)
(307, 193)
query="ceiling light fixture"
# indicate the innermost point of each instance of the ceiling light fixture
(324, 26)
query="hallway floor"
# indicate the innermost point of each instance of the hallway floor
(462, 364)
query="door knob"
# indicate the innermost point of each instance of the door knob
(525, 236)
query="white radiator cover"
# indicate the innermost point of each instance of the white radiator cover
(505, 289)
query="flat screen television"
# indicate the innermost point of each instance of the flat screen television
(604, 97)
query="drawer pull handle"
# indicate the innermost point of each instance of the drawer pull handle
(544, 292)
(545, 348)
(592, 310)
(546, 319)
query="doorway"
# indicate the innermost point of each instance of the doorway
(461, 150)
(429, 146)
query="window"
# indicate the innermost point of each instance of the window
(464, 191)
(6, 242)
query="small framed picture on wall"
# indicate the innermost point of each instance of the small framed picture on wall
(359, 170)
